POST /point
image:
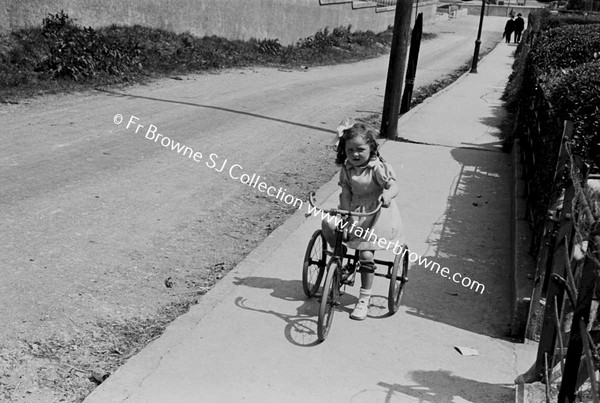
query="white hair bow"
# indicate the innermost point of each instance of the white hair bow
(344, 125)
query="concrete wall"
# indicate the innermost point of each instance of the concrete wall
(287, 20)
(498, 10)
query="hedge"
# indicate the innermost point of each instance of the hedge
(566, 47)
(575, 95)
(556, 76)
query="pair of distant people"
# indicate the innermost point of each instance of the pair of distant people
(516, 26)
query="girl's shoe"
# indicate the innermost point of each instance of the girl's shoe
(360, 310)
(362, 306)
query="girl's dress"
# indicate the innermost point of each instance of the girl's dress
(366, 184)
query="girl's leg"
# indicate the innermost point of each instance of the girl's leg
(367, 273)
(329, 232)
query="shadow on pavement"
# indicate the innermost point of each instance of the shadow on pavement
(301, 328)
(471, 239)
(443, 387)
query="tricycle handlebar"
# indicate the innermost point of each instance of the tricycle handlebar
(335, 211)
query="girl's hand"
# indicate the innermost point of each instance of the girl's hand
(385, 199)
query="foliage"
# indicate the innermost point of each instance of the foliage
(566, 64)
(575, 95)
(60, 51)
(575, 5)
(339, 44)
(556, 76)
(77, 53)
(513, 93)
(566, 47)
(269, 46)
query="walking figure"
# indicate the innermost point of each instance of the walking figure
(508, 29)
(519, 27)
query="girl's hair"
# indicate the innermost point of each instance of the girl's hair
(356, 130)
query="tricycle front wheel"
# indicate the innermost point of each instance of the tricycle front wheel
(398, 278)
(314, 264)
(329, 299)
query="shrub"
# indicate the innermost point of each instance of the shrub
(556, 78)
(575, 95)
(20, 53)
(78, 53)
(566, 47)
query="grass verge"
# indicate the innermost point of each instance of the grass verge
(61, 56)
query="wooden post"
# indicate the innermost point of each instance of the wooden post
(561, 166)
(549, 328)
(396, 68)
(413, 58)
(578, 336)
(547, 239)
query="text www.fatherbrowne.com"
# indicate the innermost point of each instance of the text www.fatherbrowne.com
(399, 249)
(236, 172)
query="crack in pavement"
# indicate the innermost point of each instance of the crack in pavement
(405, 140)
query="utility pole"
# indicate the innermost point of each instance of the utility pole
(396, 69)
(413, 58)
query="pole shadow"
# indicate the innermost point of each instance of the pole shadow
(219, 108)
(444, 387)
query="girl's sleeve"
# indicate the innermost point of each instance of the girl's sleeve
(384, 174)
(344, 181)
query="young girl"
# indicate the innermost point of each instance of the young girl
(366, 179)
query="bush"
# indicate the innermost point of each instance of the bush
(575, 95)
(556, 78)
(338, 43)
(513, 93)
(78, 53)
(565, 63)
(566, 47)
(19, 55)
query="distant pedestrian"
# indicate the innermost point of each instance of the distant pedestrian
(366, 180)
(509, 29)
(519, 27)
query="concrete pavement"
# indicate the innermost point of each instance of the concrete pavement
(252, 338)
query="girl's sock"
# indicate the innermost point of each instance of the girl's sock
(364, 295)
(362, 306)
